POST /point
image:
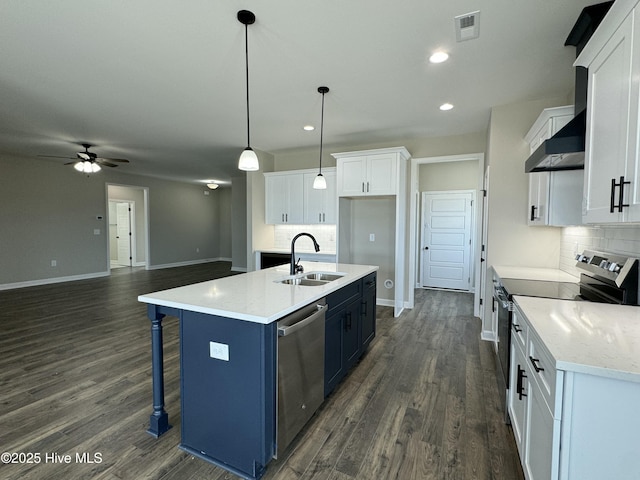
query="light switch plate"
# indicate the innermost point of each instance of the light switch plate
(219, 351)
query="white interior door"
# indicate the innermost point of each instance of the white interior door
(123, 233)
(446, 239)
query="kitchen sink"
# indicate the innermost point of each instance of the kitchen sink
(326, 276)
(312, 279)
(303, 281)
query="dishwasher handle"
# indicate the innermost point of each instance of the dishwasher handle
(289, 329)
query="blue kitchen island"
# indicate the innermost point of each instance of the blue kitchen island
(229, 354)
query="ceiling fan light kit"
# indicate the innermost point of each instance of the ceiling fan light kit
(248, 160)
(320, 183)
(87, 166)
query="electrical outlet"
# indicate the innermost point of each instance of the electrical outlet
(372, 237)
(219, 351)
(96, 231)
(197, 250)
(54, 263)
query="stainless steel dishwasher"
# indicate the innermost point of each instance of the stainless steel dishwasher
(300, 370)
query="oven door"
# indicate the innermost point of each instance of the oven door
(502, 304)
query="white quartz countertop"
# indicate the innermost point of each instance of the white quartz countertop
(301, 250)
(586, 337)
(256, 296)
(534, 273)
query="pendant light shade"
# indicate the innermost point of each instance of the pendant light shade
(320, 183)
(248, 159)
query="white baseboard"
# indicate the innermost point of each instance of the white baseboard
(47, 281)
(186, 264)
(384, 302)
(488, 336)
(239, 269)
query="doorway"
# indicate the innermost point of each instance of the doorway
(447, 226)
(128, 220)
(121, 234)
(414, 220)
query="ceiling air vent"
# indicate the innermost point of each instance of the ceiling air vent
(467, 26)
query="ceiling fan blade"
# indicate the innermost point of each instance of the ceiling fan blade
(55, 156)
(104, 163)
(121, 160)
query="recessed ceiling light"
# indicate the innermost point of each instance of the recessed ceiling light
(309, 128)
(439, 57)
(446, 106)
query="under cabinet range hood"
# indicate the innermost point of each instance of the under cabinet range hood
(565, 150)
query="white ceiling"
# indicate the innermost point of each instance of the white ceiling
(162, 82)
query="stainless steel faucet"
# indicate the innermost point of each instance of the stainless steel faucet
(295, 267)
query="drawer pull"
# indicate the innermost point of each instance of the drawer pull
(520, 383)
(516, 328)
(534, 362)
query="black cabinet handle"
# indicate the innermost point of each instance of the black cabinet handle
(516, 328)
(613, 195)
(520, 383)
(621, 204)
(533, 212)
(347, 324)
(534, 362)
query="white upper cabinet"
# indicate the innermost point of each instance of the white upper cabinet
(554, 197)
(374, 174)
(320, 205)
(611, 192)
(283, 200)
(291, 199)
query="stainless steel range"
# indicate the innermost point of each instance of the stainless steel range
(604, 278)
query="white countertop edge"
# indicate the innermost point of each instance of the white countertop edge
(534, 273)
(310, 293)
(597, 371)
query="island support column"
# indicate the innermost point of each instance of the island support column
(159, 419)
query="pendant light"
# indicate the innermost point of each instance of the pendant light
(320, 183)
(248, 159)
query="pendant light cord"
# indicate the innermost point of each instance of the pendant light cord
(321, 132)
(246, 51)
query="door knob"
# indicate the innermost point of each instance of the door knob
(426, 248)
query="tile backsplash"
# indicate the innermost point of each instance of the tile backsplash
(622, 239)
(325, 235)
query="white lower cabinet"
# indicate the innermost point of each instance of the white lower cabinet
(570, 425)
(532, 380)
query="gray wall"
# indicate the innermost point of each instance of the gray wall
(448, 176)
(48, 212)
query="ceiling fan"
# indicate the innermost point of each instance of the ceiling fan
(89, 162)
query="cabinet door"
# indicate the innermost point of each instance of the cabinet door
(333, 357)
(351, 334)
(518, 394)
(539, 445)
(608, 107)
(275, 198)
(295, 199)
(368, 314)
(352, 177)
(538, 213)
(381, 174)
(320, 205)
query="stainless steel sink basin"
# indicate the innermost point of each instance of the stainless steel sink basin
(311, 279)
(303, 281)
(326, 276)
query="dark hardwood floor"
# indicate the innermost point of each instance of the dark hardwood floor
(75, 379)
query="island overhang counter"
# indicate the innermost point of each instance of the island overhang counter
(228, 353)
